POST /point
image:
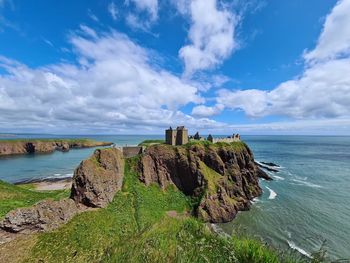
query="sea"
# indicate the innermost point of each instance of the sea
(305, 208)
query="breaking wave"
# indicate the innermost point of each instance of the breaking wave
(273, 194)
(292, 245)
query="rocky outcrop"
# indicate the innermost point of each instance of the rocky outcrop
(95, 182)
(45, 215)
(97, 179)
(12, 147)
(223, 177)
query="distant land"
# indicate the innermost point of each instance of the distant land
(27, 146)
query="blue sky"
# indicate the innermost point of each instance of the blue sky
(123, 67)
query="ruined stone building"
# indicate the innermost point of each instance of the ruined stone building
(229, 139)
(178, 136)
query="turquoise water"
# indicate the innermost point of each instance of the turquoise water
(305, 205)
(58, 164)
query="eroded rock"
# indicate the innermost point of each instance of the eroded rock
(97, 179)
(43, 216)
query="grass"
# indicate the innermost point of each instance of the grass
(211, 177)
(151, 142)
(15, 196)
(236, 146)
(136, 227)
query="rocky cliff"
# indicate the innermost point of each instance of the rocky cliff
(222, 177)
(97, 179)
(12, 147)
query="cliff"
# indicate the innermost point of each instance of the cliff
(12, 147)
(142, 222)
(222, 177)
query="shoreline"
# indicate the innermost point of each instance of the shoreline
(48, 184)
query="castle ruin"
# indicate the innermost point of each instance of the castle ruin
(229, 139)
(178, 136)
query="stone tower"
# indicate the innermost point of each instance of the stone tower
(170, 136)
(181, 135)
(176, 137)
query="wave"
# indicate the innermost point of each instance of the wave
(255, 200)
(292, 245)
(305, 183)
(273, 194)
(59, 176)
(278, 178)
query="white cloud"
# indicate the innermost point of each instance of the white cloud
(113, 11)
(88, 31)
(211, 34)
(334, 40)
(93, 16)
(339, 126)
(322, 90)
(149, 6)
(116, 87)
(205, 111)
(135, 23)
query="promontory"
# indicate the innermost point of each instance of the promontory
(27, 146)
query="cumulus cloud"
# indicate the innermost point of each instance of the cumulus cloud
(321, 91)
(334, 40)
(113, 86)
(205, 111)
(211, 34)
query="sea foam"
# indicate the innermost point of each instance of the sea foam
(273, 194)
(306, 183)
(300, 250)
(278, 178)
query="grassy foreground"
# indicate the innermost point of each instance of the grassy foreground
(142, 224)
(13, 196)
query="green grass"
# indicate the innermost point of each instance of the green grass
(151, 142)
(14, 196)
(136, 227)
(236, 146)
(211, 177)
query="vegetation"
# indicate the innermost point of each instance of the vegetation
(144, 224)
(14, 196)
(151, 142)
(237, 146)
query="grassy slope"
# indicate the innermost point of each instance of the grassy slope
(151, 142)
(135, 227)
(13, 196)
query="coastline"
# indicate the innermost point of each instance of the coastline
(48, 184)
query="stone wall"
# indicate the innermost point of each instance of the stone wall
(228, 140)
(131, 151)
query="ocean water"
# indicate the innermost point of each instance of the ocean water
(305, 206)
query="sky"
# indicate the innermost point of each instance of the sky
(140, 66)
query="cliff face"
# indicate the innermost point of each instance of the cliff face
(97, 179)
(44, 146)
(223, 177)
